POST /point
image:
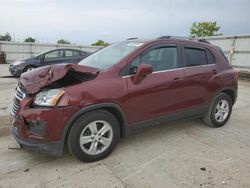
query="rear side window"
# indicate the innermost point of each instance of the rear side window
(71, 53)
(195, 56)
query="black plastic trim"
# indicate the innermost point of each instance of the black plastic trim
(185, 114)
(223, 90)
(50, 148)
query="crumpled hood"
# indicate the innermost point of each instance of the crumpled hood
(36, 79)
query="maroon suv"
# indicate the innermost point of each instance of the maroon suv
(90, 105)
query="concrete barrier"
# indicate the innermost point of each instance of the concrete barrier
(20, 50)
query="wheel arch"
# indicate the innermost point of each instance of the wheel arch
(229, 91)
(113, 108)
(231, 94)
(29, 65)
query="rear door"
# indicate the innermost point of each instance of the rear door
(72, 56)
(159, 93)
(199, 71)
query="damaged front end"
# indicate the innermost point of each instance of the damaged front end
(38, 121)
(56, 76)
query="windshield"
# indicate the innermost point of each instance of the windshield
(109, 56)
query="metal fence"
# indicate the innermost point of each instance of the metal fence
(19, 50)
(236, 48)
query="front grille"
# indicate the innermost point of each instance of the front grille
(19, 96)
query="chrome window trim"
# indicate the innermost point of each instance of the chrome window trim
(156, 72)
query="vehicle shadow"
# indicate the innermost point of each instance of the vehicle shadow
(10, 76)
(135, 139)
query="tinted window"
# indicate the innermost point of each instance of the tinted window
(210, 57)
(163, 58)
(195, 57)
(54, 54)
(71, 53)
(83, 53)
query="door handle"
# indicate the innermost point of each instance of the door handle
(177, 79)
(214, 71)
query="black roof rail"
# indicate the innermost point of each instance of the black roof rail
(132, 38)
(187, 38)
(164, 37)
(204, 40)
(175, 37)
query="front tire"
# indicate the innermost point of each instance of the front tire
(29, 68)
(220, 111)
(93, 136)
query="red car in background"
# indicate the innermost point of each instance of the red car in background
(90, 105)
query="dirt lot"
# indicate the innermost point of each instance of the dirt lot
(179, 154)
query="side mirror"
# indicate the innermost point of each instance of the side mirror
(142, 71)
(42, 57)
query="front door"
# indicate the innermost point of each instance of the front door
(159, 93)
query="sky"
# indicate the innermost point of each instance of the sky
(86, 21)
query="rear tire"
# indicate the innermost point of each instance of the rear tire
(220, 111)
(93, 136)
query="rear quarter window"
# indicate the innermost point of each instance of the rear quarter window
(83, 53)
(210, 57)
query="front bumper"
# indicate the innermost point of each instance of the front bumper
(15, 71)
(51, 148)
(41, 129)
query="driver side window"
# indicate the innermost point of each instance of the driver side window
(162, 58)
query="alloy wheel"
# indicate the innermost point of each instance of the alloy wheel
(96, 137)
(221, 110)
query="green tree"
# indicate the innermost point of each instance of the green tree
(6, 37)
(100, 43)
(204, 29)
(62, 41)
(29, 39)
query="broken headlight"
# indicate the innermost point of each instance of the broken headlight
(48, 97)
